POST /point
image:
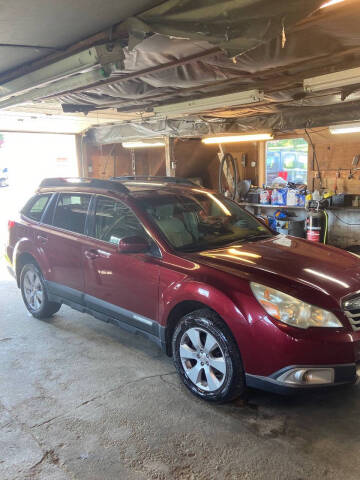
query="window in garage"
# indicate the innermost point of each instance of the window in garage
(287, 158)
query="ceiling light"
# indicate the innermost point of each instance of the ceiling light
(79, 63)
(63, 68)
(237, 138)
(142, 144)
(330, 2)
(210, 103)
(332, 80)
(55, 88)
(346, 128)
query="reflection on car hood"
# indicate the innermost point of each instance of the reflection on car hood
(333, 271)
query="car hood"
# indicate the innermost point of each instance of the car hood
(291, 261)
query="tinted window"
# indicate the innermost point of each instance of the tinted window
(36, 206)
(70, 212)
(200, 220)
(114, 220)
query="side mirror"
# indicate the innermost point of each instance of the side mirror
(133, 244)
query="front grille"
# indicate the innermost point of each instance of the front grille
(351, 308)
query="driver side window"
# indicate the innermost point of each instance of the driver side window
(115, 220)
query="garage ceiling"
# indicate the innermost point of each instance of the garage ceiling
(56, 24)
(180, 50)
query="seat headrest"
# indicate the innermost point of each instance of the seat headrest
(164, 211)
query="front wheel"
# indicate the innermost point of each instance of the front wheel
(34, 293)
(207, 357)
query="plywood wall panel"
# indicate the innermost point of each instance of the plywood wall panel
(335, 159)
(113, 160)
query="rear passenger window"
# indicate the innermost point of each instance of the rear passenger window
(36, 207)
(115, 220)
(71, 210)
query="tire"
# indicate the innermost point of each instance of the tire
(207, 358)
(34, 293)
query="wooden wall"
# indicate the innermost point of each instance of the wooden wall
(192, 158)
(335, 162)
(113, 160)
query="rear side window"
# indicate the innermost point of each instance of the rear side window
(71, 210)
(35, 208)
(114, 220)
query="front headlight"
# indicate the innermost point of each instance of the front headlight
(291, 310)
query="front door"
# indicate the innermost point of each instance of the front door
(123, 286)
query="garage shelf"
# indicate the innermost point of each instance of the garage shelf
(248, 204)
(295, 207)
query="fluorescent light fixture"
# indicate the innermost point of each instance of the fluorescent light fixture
(237, 138)
(55, 88)
(142, 144)
(210, 103)
(332, 80)
(68, 66)
(330, 2)
(346, 128)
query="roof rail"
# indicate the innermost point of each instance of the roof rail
(144, 178)
(84, 182)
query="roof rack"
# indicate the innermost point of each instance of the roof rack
(144, 178)
(84, 182)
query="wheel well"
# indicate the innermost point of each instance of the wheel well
(179, 311)
(23, 259)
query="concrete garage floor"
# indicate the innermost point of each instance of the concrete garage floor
(80, 399)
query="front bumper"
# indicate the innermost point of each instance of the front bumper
(345, 374)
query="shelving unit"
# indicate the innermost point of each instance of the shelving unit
(261, 205)
(294, 207)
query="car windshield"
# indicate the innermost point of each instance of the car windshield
(198, 220)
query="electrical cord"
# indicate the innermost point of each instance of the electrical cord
(326, 226)
(314, 155)
(343, 221)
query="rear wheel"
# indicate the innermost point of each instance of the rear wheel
(207, 357)
(34, 293)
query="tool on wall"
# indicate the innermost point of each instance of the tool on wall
(111, 154)
(355, 164)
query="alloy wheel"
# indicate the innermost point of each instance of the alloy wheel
(33, 290)
(202, 359)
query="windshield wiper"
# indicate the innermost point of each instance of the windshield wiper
(255, 236)
(200, 247)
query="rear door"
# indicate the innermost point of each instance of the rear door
(61, 244)
(124, 286)
(31, 216)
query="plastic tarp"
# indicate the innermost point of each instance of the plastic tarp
(291, 119)
(276, 44)
(236, 26)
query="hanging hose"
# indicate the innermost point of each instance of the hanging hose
(229, 159)
(326, 229)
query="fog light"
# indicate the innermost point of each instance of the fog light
(308, 376)
(358, 369)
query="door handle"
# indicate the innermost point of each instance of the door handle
(91, 254)
(42, 239)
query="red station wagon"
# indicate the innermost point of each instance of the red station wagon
(232, 302)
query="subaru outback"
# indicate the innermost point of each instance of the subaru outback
(232, 302)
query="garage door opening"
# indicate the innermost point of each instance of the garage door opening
(27, 158)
